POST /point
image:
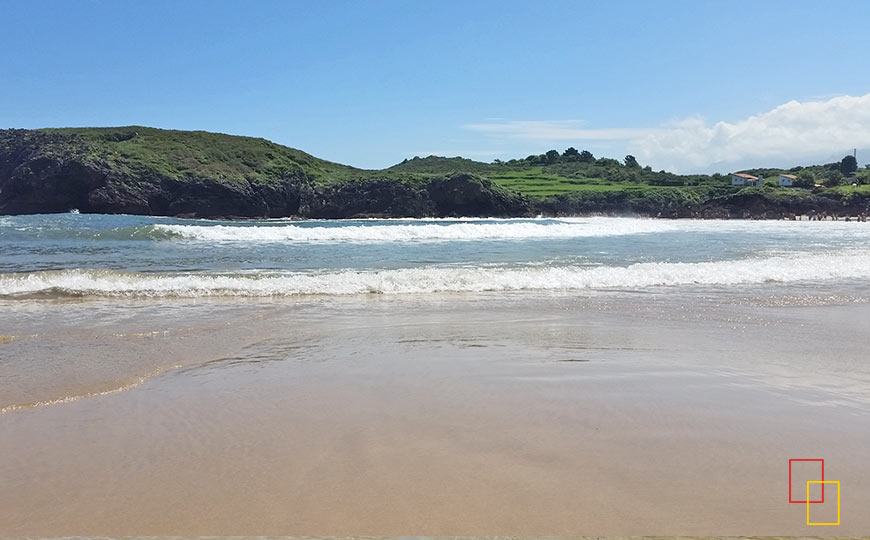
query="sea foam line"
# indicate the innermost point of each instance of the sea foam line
(69, 399)
(453, 231)
(424, 231)
(815, 267)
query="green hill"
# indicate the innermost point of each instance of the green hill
(442, 165)
(136, 169)
(197, 154)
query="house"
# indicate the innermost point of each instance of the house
(743, 179)
(787, 180)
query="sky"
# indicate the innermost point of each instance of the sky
(686, 86)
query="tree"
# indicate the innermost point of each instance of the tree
(607, 162)
(848, 165)
(835, 178)
(631, 162)
(571, 152)
(586, 157)
(551, 156)
(805, 179)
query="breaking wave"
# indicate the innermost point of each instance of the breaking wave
(405, 230)
(105, 283)
(453, 231)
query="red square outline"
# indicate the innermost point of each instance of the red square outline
(789, 482)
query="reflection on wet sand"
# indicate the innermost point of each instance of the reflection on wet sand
(497, 415)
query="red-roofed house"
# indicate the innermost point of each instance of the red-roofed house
(787, 180)
(743, 179)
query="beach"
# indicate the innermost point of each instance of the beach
(444, 270)
(442, 377)
(609, 413)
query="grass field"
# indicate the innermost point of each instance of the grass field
(535, 182)
(848, 190)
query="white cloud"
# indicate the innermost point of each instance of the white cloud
(790, 134)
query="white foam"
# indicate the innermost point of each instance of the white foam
(449, 230)
(815, 267)
(510, 230)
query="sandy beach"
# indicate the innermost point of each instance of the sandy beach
(611, 413)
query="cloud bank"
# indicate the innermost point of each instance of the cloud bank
(790, 134)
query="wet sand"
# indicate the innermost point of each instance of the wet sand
(457, 414)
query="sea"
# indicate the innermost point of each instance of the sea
(123, 256)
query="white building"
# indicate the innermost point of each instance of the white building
(743, 179)
(787, 180)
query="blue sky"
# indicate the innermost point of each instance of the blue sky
(684, 85)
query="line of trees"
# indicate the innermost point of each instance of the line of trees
(831, 174)
(575, 163)
(571, 155)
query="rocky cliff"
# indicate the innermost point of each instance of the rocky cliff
(48, 172)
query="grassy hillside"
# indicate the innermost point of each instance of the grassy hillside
(538, 178)
(201, 154)
(442, 165)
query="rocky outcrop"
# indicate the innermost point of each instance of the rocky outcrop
(469, 195)
(49, 185)
(661, 202)
(370, 198)
(753, 203)
(760, 204)
(35, 178)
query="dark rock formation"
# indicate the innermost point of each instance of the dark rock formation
(761, 205)
(35, 178)
(369, 198)
(468, 195)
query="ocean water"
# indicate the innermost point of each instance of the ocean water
(81, 256)
(95, 304)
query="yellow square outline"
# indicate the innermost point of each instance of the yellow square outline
(838, 500)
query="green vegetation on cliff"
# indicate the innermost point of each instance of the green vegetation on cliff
(146, 170)
(197, 154)
(543, 176)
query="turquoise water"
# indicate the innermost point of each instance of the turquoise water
(136, 256)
